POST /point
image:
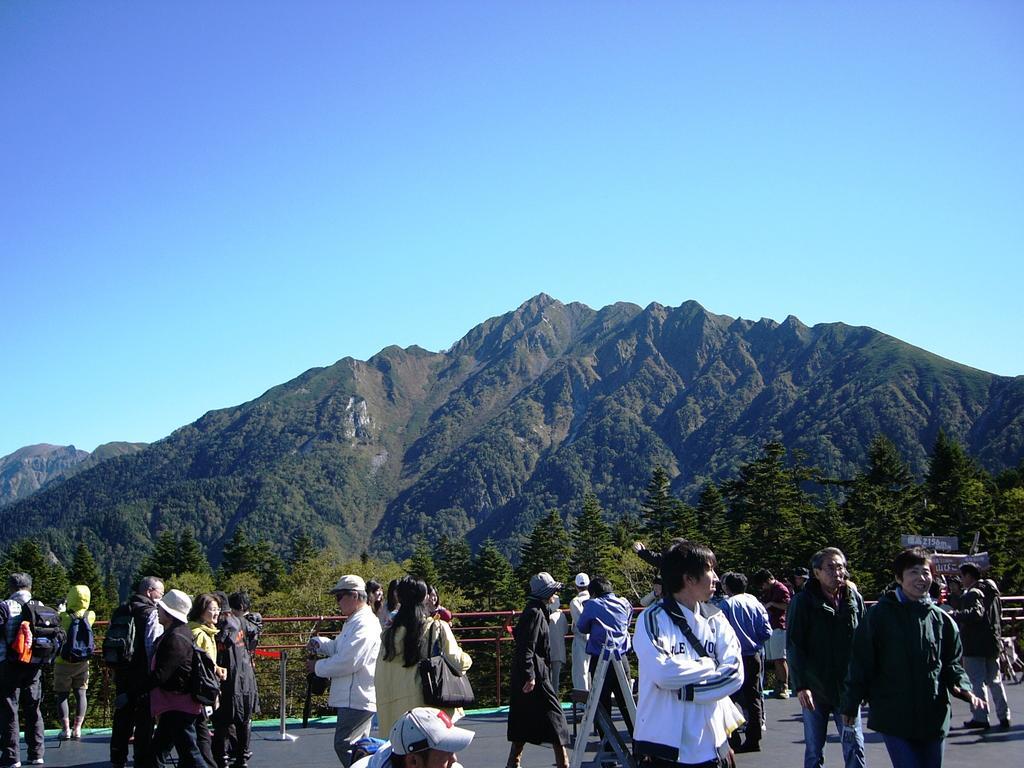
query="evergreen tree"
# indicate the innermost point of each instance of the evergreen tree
(454, 562)
(84, 571)
(49, 579)
(303, 549)
(421, 564)
(162, 561)
(712, 528)
(959, 497)
(770, 509)
(111, 595)
(546, 549)
(883, 503)
(591, 540)
(659, 514)
(191, 558)
(266, 565)
(494, 584)
(238, 555)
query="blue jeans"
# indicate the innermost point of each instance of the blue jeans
(815, 733)
(907, 753)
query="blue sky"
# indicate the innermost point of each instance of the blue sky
(201, 201)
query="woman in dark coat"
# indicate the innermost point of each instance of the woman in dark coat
(534, 712)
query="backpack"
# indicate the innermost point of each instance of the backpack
(253, 628)
(119, 642)
(45, 631)
(80, 642)
(203, 683)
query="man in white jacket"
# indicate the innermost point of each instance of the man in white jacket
(580, 668)
(690, 663)
(349, 661)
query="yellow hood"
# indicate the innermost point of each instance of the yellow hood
(78, 598)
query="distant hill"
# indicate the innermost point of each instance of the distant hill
(523, 414)
(28, 469)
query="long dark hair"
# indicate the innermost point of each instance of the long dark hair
(412, 614)
(391, 598)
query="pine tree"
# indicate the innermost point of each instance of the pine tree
(494, 585)
(659, 515)
(959, 493)
(84, 571)
(111, 595)
(546, 549)
(421, 564)
(162, 561)
(266, 564)
(882, 504)
(191, 558)
(454, 562)
(303, 549)
(770, 509)
(592, 551)
(49, 579)
(237, 555)
(712, 528)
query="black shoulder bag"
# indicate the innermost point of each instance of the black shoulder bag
(443, 686)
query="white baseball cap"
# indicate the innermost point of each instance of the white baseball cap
(582, 580)
(425, 728)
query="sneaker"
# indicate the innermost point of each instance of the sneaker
(37, 761)
(783, 693)
(976, 725)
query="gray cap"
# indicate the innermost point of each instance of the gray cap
(543, 585)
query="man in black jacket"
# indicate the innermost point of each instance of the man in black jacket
(20, 683)
(131, 705)
(980, 632)
(822, 620)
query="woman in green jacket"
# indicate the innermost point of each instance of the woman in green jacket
(906, 664)
(73, 675)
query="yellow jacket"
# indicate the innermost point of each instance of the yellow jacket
(398, 688)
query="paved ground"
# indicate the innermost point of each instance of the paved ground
(782, 744)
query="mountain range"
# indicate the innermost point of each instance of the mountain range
(28, 469)
(523, 414)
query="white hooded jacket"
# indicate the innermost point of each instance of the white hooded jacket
(684, 712)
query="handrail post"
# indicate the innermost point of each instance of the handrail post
(284, 735)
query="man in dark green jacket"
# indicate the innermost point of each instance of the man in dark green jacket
(906, 664)
(822, 620)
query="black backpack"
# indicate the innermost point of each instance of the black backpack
(203, 683)
(80, 642)
(119, 642)
(47, 635)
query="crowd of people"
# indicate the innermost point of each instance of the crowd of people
(185, 682)
(151, 644)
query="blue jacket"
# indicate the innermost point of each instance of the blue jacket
(749, 618)
(608, 614)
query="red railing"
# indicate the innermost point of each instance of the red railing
(486, 627)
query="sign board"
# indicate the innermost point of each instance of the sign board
(938, 543)
(948, 564)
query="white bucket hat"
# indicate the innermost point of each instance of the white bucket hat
(176, 603)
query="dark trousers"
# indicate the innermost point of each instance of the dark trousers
(204, 740)
(177, 730)
(750, 698)
(20, 688)
(131, 717)
(612, 686)
(231, 742)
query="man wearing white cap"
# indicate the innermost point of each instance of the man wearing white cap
(349, 661)
(580, 668)
(423, 737)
